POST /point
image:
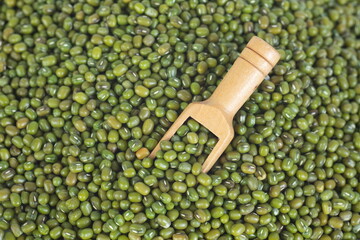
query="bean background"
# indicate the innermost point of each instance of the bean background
(88, 87)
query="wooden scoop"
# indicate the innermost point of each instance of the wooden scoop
(217, 112)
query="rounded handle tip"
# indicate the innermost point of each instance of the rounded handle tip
(264, 49)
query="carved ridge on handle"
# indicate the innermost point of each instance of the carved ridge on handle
(272, 65)
(253, 65)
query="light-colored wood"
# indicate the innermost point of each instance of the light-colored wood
(217, 112)
(256, 60)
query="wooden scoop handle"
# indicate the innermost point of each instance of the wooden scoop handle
(248, 71)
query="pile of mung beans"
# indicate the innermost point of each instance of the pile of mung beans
(88, 88)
